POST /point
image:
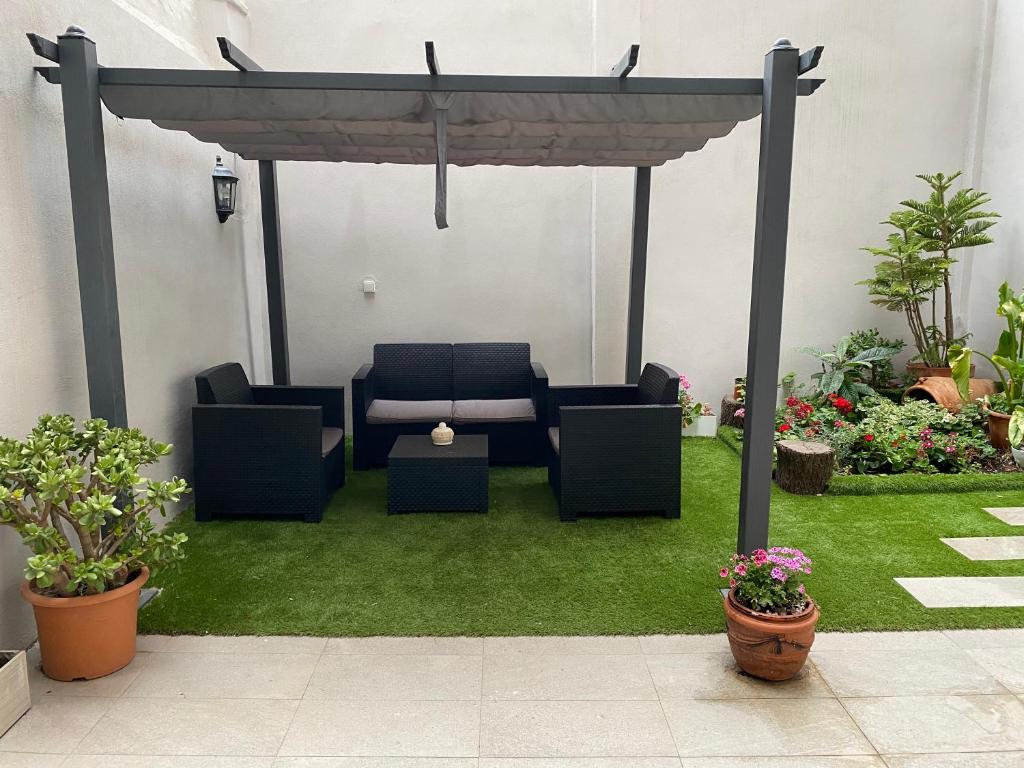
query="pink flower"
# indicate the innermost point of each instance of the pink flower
(684, 382)
(732, 582)
(801, 589)
(724, 572)
(760, 557)
(778, 574)
(741, 570)
(740, 413)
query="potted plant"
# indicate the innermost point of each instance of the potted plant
(14, 693)
(698, 418)
(916, 265)
(1015, 432)
(1008, 362)
(769, 616)
(78, 502)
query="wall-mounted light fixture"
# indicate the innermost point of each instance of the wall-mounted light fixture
(224, 182)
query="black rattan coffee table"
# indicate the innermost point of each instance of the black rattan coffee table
(423, 477)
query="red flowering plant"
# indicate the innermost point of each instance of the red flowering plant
(769, 581)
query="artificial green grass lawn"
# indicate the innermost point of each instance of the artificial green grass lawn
(518, 570)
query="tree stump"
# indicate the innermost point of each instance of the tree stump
(728, 411)
(803, 467)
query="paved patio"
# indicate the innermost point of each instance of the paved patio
(903, 700)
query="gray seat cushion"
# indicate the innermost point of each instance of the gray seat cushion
(486, 411)
(329, 438)
(398, 411)
(553, 437)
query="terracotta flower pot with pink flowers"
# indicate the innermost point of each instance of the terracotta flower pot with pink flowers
(769, 616)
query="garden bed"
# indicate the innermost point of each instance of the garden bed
(908, 482)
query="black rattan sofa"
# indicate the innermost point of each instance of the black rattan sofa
(616, 449)
(488, 389)
(265, 451)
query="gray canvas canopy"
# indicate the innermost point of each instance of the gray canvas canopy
(436, 119)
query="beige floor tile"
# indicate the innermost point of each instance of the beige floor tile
(438, 646)
(684, 643)
(882, 641)
(398, 729)
(30, 760)
(762, 727)
(151, 643)
(961, 760)
(165, 761)
(966, 591)
(224, 676)
(111, 686)
(818, 761)
(574, 728)
(579, 762)
(716, 676)
(171, 727)
(375, 762)
(243, 644)
(528, 677)
(396, 677)
(903, 673)
(986, 638)
(609, 644)
(1009, 515)
(1005, 664)
(921, 724)
(988, 547)
(55, 725)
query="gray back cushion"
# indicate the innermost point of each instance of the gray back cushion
(658, 385)
(223, 385)
(497, 370)
(412, 371)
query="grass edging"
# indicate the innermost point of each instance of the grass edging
(873, 485)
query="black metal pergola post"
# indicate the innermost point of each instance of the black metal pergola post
(637, 274)
(775, 165)
(94, 239)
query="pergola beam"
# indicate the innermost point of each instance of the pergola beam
(94, 240)
(433, 67)
(47, 49)
(356, 81)
(273, 262)
(778, 115)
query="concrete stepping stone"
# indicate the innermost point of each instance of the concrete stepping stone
(966, 591)
(989, 547)
(1009, 515)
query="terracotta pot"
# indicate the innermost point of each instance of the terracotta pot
(920, 371)
(942, 390)
(90, 636)
(766, 645)
(999, 430)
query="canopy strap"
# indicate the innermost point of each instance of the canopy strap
(441, 101)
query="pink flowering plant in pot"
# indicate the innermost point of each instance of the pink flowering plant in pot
(770, 618)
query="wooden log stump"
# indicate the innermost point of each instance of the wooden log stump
(804, 467)
(728, 411)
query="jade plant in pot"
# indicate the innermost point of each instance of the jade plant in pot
(1008, 362)
(769, 616)
(76, 498)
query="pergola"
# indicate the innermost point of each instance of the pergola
(438, 120)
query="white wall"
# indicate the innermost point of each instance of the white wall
(1000, 172)
(181, 275)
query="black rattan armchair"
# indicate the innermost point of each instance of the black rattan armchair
(265, 451)
(616, 449)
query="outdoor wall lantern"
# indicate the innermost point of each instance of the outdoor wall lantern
(224, 182)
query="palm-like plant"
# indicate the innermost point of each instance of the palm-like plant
(918, 259)
(947, 223)
(843, 373)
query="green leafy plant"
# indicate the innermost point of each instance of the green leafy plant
(1007, 360)
(845, 373)
(78, 502)
(908, 279)
(1016, 428)
(882, 373)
